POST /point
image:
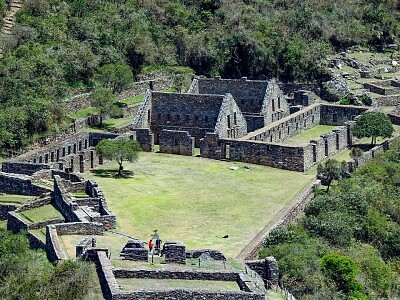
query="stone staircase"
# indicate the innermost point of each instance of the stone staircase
(8, 24)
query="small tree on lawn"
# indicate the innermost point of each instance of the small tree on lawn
(332, 170)
(373, 124)
(103, 100)
(121, 149)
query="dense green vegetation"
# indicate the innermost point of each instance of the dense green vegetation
(58, 45)
(347, 244)
(27, 274)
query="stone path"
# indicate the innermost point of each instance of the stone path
(8, 24)
(251, 250)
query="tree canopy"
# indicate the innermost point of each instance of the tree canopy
(373, 124)
(331, 170)
(103, 100)
(120, 149)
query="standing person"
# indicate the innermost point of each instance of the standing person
(158, 243)
(150, 245)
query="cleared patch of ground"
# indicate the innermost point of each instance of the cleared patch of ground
(18, 199)
(132, 284)
(305, 136)
(197, 200)
(45, 212)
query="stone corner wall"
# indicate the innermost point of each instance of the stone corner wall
(176, 142)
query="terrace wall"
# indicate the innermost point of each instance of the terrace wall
(20, 184)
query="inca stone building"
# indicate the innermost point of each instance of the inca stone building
(242, 120)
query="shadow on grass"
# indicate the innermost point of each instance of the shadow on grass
(103, 126)
(126, 174)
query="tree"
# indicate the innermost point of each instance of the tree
(373, 124)
(119, 150)
(115, 76)
(103, 100)
(332, 170)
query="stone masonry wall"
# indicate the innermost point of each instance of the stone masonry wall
(5, 208)
(289, 126)
(20, 184)
(273, 155)
(145, 138)
(22, 168)
(176, 142)
(337, 115)
(231, 122)
(249, 94)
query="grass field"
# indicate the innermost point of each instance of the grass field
(304, 137)
(197, 200)
(132, 284)
(45, 212)
(18, 199)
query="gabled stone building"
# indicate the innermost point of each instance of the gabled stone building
(229, 108)
(169, 115)
(260, 101)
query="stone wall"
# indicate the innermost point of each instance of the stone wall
(230, 122)
(53, 246)
(145, 138)
(62, 202)
(16, 223)
(177, 274)
(174, 252)
(274, 106)
(35, 242)
(267, 268)
(176, 142)
(249, 94)
(289, 126)
(22, 168)
(20, 184)
(197, 114)
(260, 153)
(5, 208)
(79, 228)
(337, 115)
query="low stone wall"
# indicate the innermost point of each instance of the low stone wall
(84, 245)
(187, 295)
(79, 228)
(107, 279)
(22, 168)
(289, 126)
(16, 223)
(176, 142)
(267, 268)
(214, 254)
(395, 119)
(5, 208)
(34, 204)
(43, 224)
(20, 184)
(176, 274)
(53, 246)
(391, 100)
(73, 177)
(35, 242)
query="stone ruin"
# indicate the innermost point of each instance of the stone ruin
(243, 120)
(135, 250)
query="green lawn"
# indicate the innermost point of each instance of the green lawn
(3, 224)
(132, 284)
(133, 100)
(304, 137)
(197, 200)
(118, 123)
(45, 212)
(18, 199)
(83, 112)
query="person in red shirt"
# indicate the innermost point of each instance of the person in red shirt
(150, 245)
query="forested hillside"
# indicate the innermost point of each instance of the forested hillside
(347, 244)
(58, 45)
